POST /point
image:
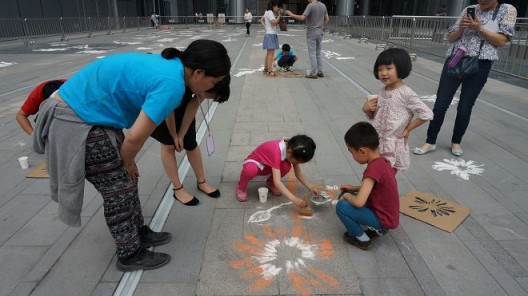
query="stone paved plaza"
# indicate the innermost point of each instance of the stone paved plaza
(217, 245)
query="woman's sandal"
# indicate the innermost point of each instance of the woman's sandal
(271, 73)
(265, 71)
(194, 201)
(214, 194)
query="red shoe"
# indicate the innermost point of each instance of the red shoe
(272, 188)
(241, 195)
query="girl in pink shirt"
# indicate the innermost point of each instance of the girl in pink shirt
(272, 160)
(393, 110)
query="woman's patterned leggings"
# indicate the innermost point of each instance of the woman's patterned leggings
(122, 208)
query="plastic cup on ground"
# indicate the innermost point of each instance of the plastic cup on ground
(23, 162)
(308, 72)
(263, 194)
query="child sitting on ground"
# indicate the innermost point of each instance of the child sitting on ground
(375, 203)
(285, 58)
(272, 160)
(396, 105)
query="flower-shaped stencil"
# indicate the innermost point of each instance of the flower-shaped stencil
(437, 207)
(461, 168)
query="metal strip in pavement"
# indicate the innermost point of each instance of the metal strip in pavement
(128, 283)
(361, 88)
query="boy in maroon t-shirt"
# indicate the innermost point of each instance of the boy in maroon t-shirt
(33, 101)
(375, 203)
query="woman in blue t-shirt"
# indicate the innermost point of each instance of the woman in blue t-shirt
(80, 130)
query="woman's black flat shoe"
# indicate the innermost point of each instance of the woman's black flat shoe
(193, 202)
(214, 194)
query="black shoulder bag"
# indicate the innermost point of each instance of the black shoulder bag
(468, 65)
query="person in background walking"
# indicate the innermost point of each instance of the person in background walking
(248, 17)
(441, 11)
(316, 16)
(154, 20)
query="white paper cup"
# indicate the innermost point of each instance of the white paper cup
(308, 72)
(371, 97)
(263, 194)
(23, 162)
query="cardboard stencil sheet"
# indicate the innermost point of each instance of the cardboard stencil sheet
(39, 172)
(431, 209)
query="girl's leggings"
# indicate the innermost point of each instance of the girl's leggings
(251, 170)
(122, 209)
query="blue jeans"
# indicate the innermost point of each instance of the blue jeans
(286, 61)
(354, 217)
(447, 87)
(314, 53)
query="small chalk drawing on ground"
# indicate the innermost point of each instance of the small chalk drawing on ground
(460, 168)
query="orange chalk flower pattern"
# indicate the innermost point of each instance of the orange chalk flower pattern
(293, 254)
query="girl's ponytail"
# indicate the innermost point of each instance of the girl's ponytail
(171, 53)
(302, 147)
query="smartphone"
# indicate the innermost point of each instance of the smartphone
(471, 12)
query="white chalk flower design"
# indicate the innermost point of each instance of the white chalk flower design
(461, 168)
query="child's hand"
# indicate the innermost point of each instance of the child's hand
(178, 144)
(370, 105)
(316, 188)
(348, 187)
(404, 135)
(301, 203)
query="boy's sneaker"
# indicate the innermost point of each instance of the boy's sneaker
(241, 195)
(143, 259)
(150, 238)
(272, 188)
(355, 242)
(288, 69)
(372, 232)
(282, 69)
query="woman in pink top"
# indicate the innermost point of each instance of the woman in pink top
(395, 107)
(272, 160)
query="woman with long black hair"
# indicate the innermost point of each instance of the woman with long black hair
(80, 131)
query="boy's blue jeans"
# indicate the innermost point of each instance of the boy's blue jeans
(447, 87)
(354, 217)
(286, 61)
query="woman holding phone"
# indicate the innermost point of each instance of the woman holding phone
(482, 29)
